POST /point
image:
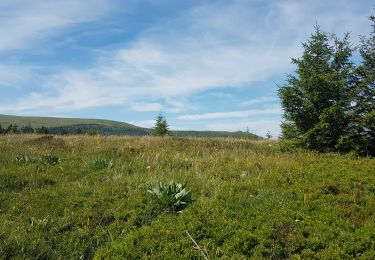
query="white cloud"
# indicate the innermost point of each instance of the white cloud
(23, 23)
(214, 45)
(232, 114)
(257, 101)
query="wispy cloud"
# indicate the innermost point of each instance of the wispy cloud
(15, 76)
(232, 114)
(257, 101)
(26, 22)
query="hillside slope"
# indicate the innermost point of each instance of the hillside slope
(36, 121)
(106, 127)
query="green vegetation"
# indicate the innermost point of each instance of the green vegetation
(329, 102)
(161, 126)
(99, 163)
(260, 199)
(48, 159)
(173, 196)
(216, 134)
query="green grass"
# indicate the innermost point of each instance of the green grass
(255, 199)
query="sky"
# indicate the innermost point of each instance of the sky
(206, 65)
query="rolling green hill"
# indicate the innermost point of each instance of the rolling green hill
(107, 127)
(36, 122)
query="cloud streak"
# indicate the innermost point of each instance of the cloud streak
(232, 114)
(26, 22)
(258, 101)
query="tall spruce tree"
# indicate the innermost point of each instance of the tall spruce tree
(362, 125)
(316, 98)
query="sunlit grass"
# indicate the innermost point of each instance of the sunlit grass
(262, 199)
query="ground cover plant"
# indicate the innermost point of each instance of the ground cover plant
(173, 196)
(260, 199)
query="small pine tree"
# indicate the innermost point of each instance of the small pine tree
(2, 130)
(43, 130)
(268, 135)
(12, 129)
(27, 129)
(161, 126)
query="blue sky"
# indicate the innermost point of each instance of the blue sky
(207, 65)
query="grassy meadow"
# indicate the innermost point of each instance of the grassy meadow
(87, 197)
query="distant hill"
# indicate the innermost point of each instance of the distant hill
(60, 125)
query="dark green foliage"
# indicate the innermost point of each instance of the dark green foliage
(173, 196)
(328, 103)
(289, 131)
(361, 134)
(93, 129)
(27, 129)
(43, 130)
(12, 129)
(161, 126)
(2, 130)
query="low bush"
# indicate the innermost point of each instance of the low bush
(50, 159)
(99, 164)
(173, 196)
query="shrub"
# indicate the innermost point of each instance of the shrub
(173, 196)
(50, 159)
(25, 160)
(99, 163)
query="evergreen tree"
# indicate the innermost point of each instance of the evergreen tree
(27, 129)
(316, 98)
(12, 129)
(2, 130)
(43, 130)
(362, 127)
(161, 126)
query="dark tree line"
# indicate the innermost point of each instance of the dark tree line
(329, 102)
(14, 129)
